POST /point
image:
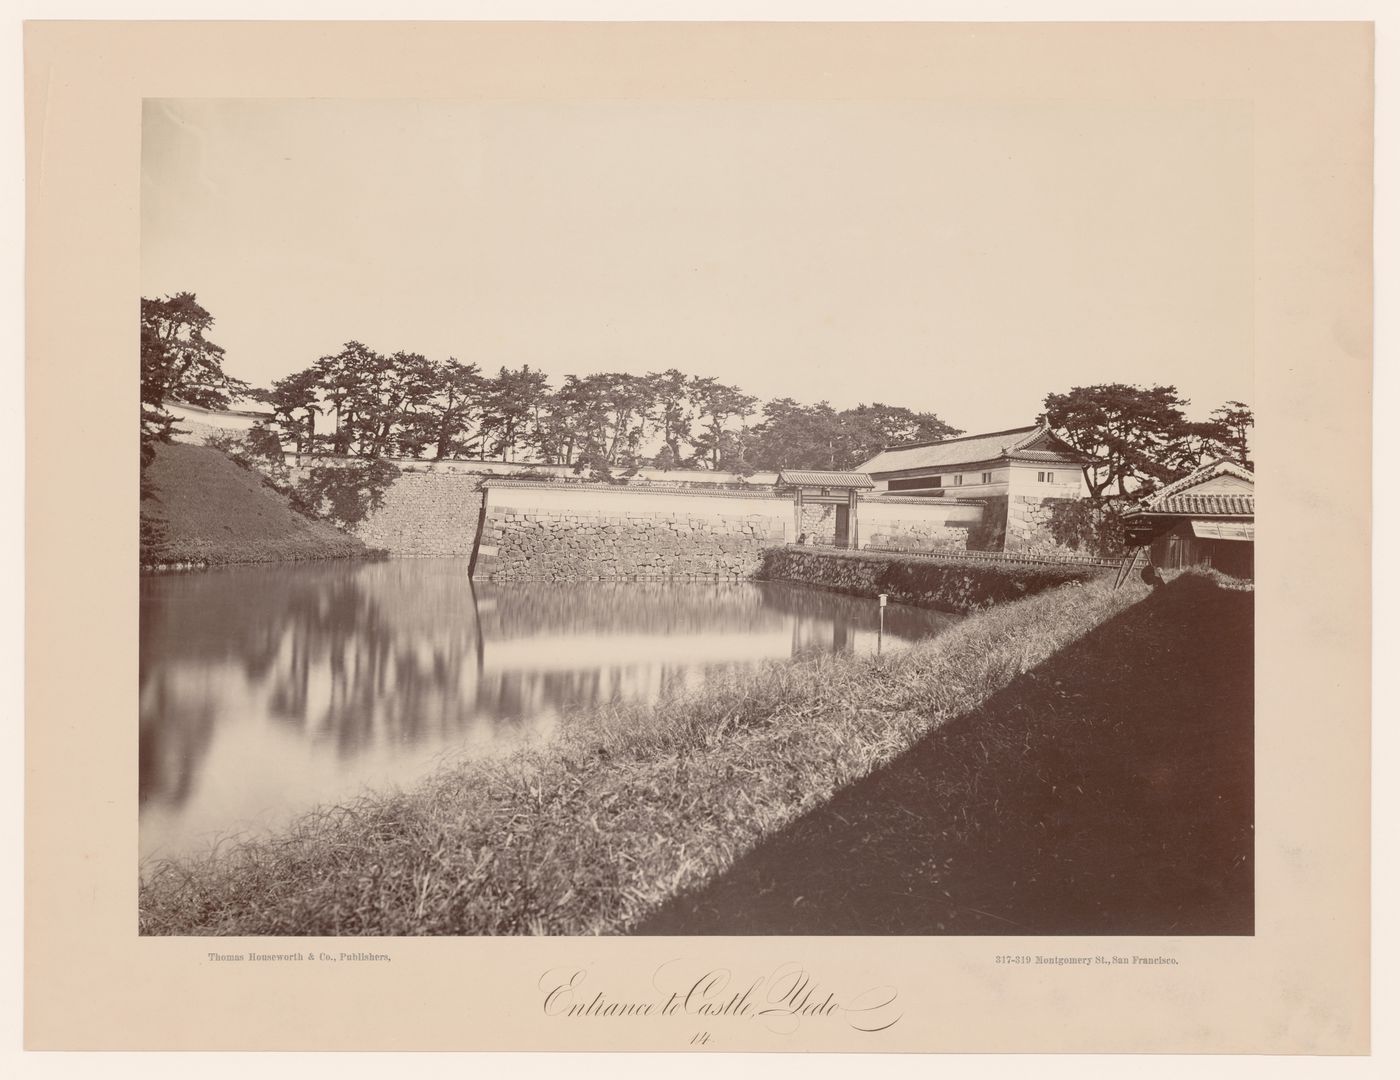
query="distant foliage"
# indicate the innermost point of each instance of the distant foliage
(1093, 526)
(345, 494)
(797, 436)
(1138, 438)
(407, 404)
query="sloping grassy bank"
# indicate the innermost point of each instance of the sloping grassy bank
(1109, 791)
(947, 584)
(627, 807)
(211, 510)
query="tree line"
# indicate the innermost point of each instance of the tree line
(1138, 438)
(407, 405)
(362, 402)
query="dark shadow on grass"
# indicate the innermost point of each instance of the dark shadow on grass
(1108, 791)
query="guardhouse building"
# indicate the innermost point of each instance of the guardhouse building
(1027, 461)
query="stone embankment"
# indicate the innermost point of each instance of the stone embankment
(947, 584)
(563, 545)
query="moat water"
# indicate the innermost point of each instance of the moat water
(267, 690)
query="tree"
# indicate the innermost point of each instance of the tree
(672, 413)
(297, 393)
(797, 436)
(715, 405)
(347, 381)
(179, 363)
(346, 494)
(452, 410)
(1199, 442)
(868, 429)
(1131, 434)
(1237, 420)
(511, 399)
(623, 401)
(402, 387)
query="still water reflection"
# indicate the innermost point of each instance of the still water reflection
(265, 690)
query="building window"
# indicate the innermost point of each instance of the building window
(957, 479)
(986, 478)
(1045, 477)
(916, 483)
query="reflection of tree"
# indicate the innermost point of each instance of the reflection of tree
(169, 756)
(355, 654)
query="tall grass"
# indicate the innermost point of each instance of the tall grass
(588, 832)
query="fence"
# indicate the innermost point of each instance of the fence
(1015, 557)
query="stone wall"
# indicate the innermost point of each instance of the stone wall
(819, 522)
(1028, 521)
(426, 511)
(426, 514)
(917, 524)
(199, 434)
(596, 533)
(990, 533)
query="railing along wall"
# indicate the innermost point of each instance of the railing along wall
(1015, 557)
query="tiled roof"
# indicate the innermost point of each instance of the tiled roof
(810, 478)
(1208, 471)
(1221, 503)
(967, 450)
(1178, 498)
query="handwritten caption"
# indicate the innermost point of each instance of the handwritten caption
(781, 1000)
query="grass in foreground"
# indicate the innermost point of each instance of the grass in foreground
(214, 511)
(1109, 791)
(628, 807)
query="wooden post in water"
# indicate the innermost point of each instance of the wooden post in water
(880, 637)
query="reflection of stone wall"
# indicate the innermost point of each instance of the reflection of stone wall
(593, 533)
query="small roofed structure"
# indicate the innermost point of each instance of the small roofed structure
(1204, 519)
(826, 505)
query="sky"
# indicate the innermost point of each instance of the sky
(960, 257)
